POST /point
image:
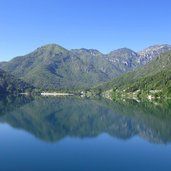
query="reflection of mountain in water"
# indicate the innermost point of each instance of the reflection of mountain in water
(52, 119)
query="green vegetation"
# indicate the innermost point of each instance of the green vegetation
(152, 81)
(10, 85)
(54, 67)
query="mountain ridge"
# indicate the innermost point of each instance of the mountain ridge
(53, 67)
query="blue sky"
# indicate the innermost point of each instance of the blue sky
(101, 24)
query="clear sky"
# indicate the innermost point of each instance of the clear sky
(101, 24)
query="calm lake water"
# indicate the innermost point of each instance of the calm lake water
(73, 134)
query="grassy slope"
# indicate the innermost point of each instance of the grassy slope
(154, 76)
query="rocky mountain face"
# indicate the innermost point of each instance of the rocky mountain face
(54, 67)
(125, 59)
(152, 52)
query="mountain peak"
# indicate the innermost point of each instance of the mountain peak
(152, 52)
(156, 48)
(52, 47)
(87, 51)
(123, 51)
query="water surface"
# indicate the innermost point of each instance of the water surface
(50, 134)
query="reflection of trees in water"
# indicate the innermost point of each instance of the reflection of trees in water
(52, 119)
(10, 103)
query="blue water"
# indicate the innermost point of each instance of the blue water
(83, 135)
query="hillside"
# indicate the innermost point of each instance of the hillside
(154, 78)
(54, 67)
(10, 85)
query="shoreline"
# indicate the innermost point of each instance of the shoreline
(55, 94)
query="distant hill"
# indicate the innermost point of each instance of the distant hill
(10, 85)
(154, 78)
(54, 67)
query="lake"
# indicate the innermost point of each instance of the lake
(79, 134)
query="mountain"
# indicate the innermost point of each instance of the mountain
(10, 85)
(125, 59)
(152, 52)
(54, 67)
(153, 79)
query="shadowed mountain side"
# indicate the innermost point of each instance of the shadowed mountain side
(52, 119)
(11, 85)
